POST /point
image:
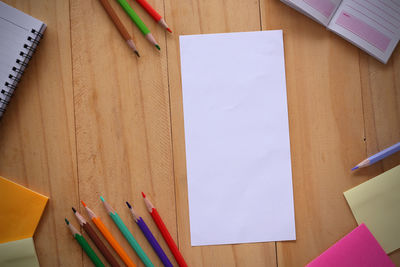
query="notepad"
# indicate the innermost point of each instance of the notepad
(377, 204)
(373, 26)
(19, 253)
(20, 209)
(20, 36)
(237, 138)
(357, 249)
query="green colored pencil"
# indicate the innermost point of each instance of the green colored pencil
(85, 245)
(127, 234)
(139, 23)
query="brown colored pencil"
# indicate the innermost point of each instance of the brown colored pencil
(121, 28)
(96, 240)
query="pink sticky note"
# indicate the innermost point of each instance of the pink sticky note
(358, 248)
(363, 30)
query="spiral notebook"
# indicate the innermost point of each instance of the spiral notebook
(19, 36)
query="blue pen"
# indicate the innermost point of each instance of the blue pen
(378, 156)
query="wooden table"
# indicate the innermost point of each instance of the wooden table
(90, 119)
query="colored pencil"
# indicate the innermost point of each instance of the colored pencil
(121, 28)
(85, 245)
(108, 236)
(164, 231)
(150, 237)
(139, 23)
(154, 14)
(127, 234)
(378, 156)
(96, 240)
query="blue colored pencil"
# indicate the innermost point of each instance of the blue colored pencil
(150, 237)
(378, 156)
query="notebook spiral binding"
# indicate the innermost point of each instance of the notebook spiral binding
(25, 55)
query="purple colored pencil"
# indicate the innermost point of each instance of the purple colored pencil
(150, 237)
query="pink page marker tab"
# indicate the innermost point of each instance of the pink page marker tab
(358, 248)
(325, 7)
(363, 30)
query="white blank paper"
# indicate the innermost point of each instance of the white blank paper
(237, 138)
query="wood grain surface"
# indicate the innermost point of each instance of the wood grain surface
(89, 119)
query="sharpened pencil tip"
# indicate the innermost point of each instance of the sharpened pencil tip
(158, 47)
(143, 195)
(355, 168)
(66, 221)
(168, 29)
(137, 53)
(129, 205)
(83, 203)
(102, 199)
(73, 209)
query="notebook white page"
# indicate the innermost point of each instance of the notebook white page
(237, 138)
(15, 29)
(371, 25)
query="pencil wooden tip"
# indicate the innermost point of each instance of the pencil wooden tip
(73, 209)
(66, 221)
(129, 205)
(149, 206)
(83, 203)
(133, 46)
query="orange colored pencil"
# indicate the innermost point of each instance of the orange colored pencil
(108, 236)
(121, 28)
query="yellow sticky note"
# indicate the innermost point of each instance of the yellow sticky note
(20, 211)
(20, 253)
(377, 204)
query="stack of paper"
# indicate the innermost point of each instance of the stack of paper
(20, 253)
(20, 209)
(377, 204)
(358, 248)
(237, 138)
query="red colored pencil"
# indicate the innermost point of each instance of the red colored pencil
(153, 13)
(164, 231)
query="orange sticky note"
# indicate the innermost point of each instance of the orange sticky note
(20, 211)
